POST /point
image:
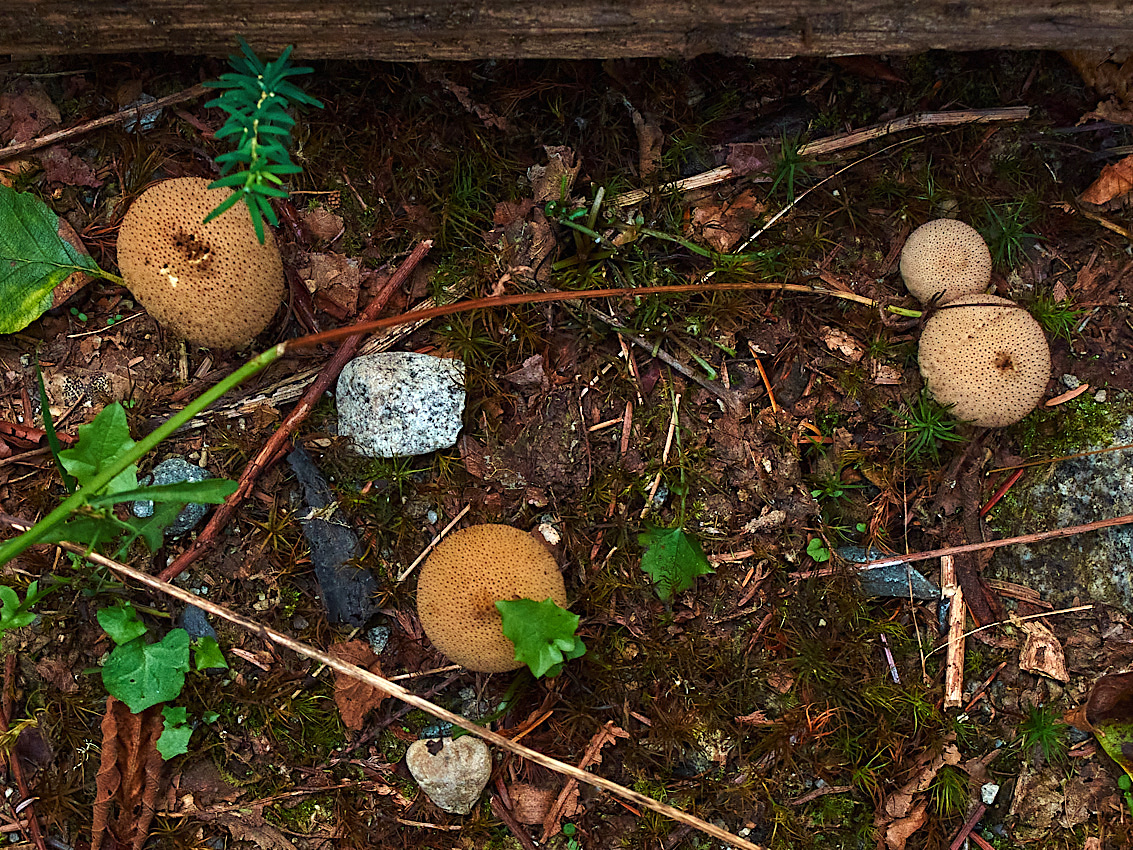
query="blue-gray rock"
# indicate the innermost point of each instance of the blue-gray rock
(347, 591)
(896, 579)
(196, 622)
(399, 403)
(174, 470)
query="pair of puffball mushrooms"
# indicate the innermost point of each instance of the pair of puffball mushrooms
(216, 285)
(984, 356)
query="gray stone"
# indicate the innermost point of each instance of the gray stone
(451, 772)
(398, 403)
(174, 470)
(1094, 567)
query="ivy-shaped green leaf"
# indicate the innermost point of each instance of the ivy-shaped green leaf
(818, 551)
(100, 442)
(543, 634)
(672, 559)
(175, 732)
(34, 259)
(143, 674)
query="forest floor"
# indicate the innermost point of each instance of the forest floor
(773, 698)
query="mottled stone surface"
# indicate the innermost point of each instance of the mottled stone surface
(452, 772)
(398, 403)
(1096, 566)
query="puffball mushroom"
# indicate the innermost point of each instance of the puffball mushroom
(214, 283)
(466, 575)
(986, 356)
(945, 256)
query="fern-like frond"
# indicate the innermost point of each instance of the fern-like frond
(256, 97)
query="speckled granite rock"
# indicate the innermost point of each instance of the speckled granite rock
(452, 772)
(398, 403)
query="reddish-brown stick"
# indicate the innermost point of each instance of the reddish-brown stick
(276, 443)
(14, 759)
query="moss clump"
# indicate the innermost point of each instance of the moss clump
(1067, 428)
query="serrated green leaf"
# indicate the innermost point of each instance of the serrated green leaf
(543, 634)
(175, 732)
(672, 559)
(143, 674)
(212, 491)
(100, 442)
(121, 623)
(152, 528)
(34, 259)
(207, 654)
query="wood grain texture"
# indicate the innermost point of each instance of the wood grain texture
(468, 29)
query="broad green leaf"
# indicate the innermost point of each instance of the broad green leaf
(818, 551)
(34, 259)
(672, 559)
(175, 732)
(121, 623)
(543, 634)
(213, 491)
(207, 654)
(143, 674)
(100, 442)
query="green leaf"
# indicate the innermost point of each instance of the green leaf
(121, 623)
(143, 674)
(207, 654)
(175, 732)
(212, 491)
(15, 614)
(672, 559)
(100, 443)
(152, 529)
(34, 259)
(818, 551)
(543, 634)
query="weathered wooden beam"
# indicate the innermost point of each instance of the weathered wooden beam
(470, 29)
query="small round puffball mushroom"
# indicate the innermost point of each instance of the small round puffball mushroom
(214, 283)
(945, 256)
(987, 357)
(466, 575)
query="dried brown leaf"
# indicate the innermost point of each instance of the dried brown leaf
(129, 776)
(353, 698)
(1114, 183)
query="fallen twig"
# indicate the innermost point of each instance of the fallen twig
(1037, 537)
(135, 112)
(276, 443)
(951, 118)
(396, 691)
(28, 810)
(954, 667)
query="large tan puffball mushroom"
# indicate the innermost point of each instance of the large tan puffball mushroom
(987, 357)
(945, 256)
(214, 283)
(463, 579)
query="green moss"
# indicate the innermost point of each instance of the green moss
(1067, 428)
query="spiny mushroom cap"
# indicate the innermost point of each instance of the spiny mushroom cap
(991, 362)
(463, 579)
(946, 256)
(214, 283)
